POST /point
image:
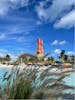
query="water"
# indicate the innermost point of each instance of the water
(2, 72)
(70, 80)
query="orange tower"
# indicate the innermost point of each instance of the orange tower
(40, 51)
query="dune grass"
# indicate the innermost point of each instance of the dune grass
(24, 85)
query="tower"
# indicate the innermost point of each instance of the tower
(39, 51)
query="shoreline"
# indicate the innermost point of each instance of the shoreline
(6, 66)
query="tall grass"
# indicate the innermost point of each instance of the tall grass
(33, 84)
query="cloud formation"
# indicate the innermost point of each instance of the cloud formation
(62, 42)
(70, 53)
(3, 52)
(7, 5)
(56, 42)
(2, 37)
(57, 51)
(59, 11)
(66, 21)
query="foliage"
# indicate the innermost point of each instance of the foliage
(7, 58)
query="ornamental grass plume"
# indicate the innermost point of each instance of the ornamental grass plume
(33, 83)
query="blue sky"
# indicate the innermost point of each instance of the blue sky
(23, 21)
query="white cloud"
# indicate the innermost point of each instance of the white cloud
(55, 42)
(3, 52)
(2, 36)
(3, 7)
(70, 53)
(66, 21)
(20, 39)
(58, 10)
(7, 5)
(57, 51)
(62, 42)
(58, 6)
(41, 11)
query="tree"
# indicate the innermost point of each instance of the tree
(51, 59)
(65, 57)
(7, 58)
(1, 59)
(62, 54)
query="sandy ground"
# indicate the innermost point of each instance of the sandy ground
(6, 66)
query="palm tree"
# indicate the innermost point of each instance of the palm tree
(66, 58)
(72, 59)
(7, 58)
(62, 54)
